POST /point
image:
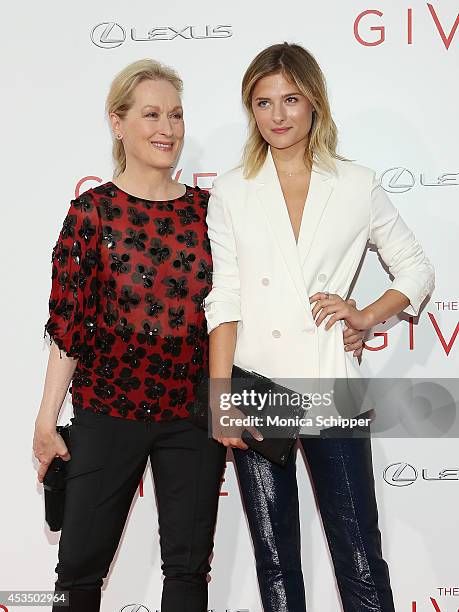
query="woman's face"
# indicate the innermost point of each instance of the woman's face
(283, 114)
(153, 128)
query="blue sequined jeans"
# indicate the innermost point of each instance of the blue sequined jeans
(342, 474)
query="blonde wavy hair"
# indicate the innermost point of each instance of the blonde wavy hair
(120, 96)
(300, 67)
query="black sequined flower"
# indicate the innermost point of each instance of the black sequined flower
(84, 203)
(126, 381)
(181, 371)
(124, 329)
(176, 317)
(159, 366)
(135, 240)
(172, 345)
(111, 315)
(154, 306)
(107, 366)
(123, 404)
(128, 299)
(177, 287)
(120, 263)
(108, 211)
(105, 341)
(104, 389)
(139, 218)
(184, 261)
(110, 236)
(187, 215)
(188, 238)
(133, 355)
(68, 228)
(204, 272)
(150, 333)
(164, 227)
(159, 252)
(155, 389)
(144, 275)
(178, 396)
(99, 407)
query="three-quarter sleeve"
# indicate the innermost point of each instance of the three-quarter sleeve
(73, 298)
(413, 274)
(223, 303)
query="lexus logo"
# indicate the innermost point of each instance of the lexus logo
(400, 180)
(134, 608)
(108, 35)
(397, 180)
(404, 474)
(400, 474)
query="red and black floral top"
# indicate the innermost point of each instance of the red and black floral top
(128, 280)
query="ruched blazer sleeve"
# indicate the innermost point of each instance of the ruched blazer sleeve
(223, 303)
(401, 252)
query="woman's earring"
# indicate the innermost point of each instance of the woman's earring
(119, 136)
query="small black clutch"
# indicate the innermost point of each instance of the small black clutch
(277, 441)
(54, 484)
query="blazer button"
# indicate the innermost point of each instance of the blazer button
(276, 333)
(265, 281)
(310, 330)
(322, 278)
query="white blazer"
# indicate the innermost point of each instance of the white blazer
(263, 279)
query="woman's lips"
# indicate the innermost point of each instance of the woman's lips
(280, 130)
(163, 146)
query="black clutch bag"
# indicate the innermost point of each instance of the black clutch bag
(278, 440)
(54, 484)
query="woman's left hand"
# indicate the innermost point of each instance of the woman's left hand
(332, 305)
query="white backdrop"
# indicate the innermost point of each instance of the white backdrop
(395, 104)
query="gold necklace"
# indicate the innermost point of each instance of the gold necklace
(293, 173)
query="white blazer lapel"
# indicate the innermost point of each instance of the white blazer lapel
(320, 189)
(272, 202)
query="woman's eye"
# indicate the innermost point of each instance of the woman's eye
(177, 116)
(292, 99)
(152, 114)
(263, 103)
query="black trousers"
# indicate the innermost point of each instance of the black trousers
(342, 475)
(108, 458)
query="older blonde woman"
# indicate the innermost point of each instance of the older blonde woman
(130, 270)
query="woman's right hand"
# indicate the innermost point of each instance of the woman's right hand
(47, 444)
(225, 414)
(231, 436)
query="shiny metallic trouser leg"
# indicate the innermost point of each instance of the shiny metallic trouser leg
(270, 497)
(342, 474)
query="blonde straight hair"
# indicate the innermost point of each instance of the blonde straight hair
(120, 96)
(300, 67)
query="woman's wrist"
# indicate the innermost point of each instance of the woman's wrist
(370, 318)
(46, 421)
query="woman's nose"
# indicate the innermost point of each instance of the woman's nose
(278, 113)
(165, 126)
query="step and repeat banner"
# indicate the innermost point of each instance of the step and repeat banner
(392, 72)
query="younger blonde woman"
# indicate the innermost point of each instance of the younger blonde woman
(288, 230)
